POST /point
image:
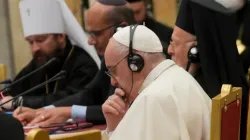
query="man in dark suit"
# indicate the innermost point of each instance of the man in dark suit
(87, 104)
(163, 32)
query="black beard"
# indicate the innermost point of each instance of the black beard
(56, 53)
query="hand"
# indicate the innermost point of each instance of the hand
(26, 116)
(7, 106)
(51, 116)
(114, 109)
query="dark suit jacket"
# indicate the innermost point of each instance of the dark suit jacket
(93, 96)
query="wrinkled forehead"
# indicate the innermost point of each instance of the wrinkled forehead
(181, 35)
(112, 53)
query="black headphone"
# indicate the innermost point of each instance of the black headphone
(135, 61)
(193, 56)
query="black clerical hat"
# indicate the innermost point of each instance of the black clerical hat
(113, 2)
(185, 19)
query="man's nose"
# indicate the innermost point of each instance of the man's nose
(113, 81)
(35, 47)
(170, 50)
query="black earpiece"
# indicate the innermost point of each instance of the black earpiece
(135, 61)
(193, 56)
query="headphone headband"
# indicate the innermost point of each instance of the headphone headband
(132, 32)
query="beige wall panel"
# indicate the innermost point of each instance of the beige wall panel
(21, 50)
(5, 42)
(75, 7)
(165, 11)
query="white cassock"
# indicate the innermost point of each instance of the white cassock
(171, 106)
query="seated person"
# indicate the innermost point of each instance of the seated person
(163, 32)
(155, 98)
(53, 36)
(87, 103)
(213, 33)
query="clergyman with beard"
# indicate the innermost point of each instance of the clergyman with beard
(53, 32)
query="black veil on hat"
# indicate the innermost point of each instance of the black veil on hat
(185, 18)
(216, 34)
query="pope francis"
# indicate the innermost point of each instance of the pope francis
(155, 99)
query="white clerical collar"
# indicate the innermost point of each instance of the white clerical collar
(156, 72)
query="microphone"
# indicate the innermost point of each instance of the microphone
(58, 76)
(7, 88)
(8, 81)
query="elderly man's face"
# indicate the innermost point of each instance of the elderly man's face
(179, 46)
(117, 66)
(100, 31)
(44, 47)
(140, 11)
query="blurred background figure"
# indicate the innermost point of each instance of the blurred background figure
(142, 17)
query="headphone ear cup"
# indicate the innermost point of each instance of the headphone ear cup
(135, 62)
(193, 55)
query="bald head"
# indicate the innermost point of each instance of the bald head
(102, 21)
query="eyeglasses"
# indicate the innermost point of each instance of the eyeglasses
(109, 72)
(95, 34)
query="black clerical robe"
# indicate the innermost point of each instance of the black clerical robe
(221, 64)
(80, 70)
